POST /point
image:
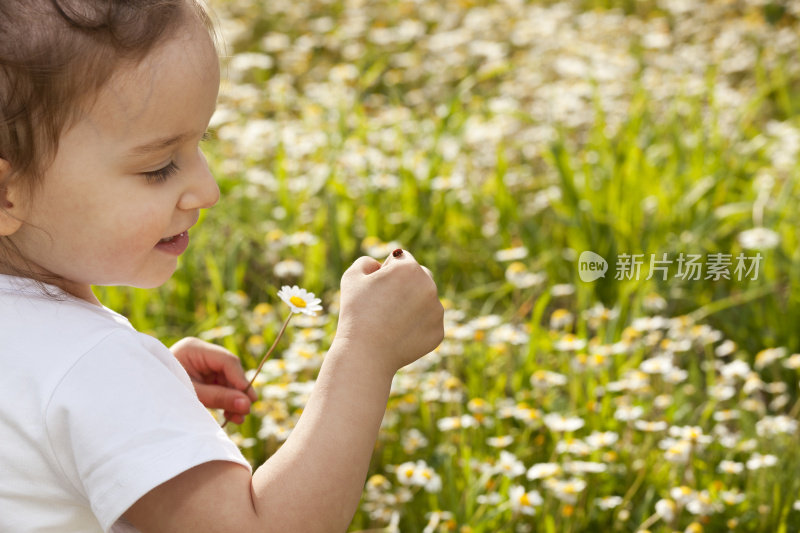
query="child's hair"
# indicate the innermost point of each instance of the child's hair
(55, 56)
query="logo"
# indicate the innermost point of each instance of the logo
(690, 267)
(591, 266)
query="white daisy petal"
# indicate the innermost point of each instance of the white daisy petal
(300, 300)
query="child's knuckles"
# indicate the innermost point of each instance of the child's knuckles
(409, 267)
(408, 255)
(362, 265)
(230, 360)
(428, 290)
(439, 316)
(437, 328)
(188, 342)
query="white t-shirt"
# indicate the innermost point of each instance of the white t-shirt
(93, 414)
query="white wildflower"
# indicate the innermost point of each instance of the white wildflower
(523, 501)
(558, 422)
(758, 239)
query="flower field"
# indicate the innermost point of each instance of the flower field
(498, 141)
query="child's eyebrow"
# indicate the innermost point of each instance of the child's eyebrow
(159, 144)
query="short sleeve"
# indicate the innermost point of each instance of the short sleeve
(125, 419)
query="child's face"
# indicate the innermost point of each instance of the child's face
(98, 217)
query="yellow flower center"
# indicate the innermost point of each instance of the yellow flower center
(524, 500)
(376, 481)
(452, 383)
(297, 301)
(516, 267)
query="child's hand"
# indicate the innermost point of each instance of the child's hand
(390, 311)
(217, 376)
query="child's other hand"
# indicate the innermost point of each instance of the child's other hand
(390, 311)
(217, 376)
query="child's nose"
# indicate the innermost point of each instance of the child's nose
(202, 190)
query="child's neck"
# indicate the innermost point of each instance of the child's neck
(84, 292)
(78, 290)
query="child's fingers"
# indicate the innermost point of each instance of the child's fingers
(363, 265)
(400, 255)
(219, 397)
(220, 361)
(236, 419)
(397, 257)
(234, 374)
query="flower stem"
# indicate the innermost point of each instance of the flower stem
(266, 355)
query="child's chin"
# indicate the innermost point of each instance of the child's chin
(152, 282)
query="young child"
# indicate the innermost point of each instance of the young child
(102, 107)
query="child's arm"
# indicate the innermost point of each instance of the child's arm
(390, 315)
(217, 377)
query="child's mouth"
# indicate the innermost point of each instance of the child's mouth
(174, 245)
(171, 239)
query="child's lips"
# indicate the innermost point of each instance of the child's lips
(174, 245)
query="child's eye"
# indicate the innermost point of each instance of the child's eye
(162, 174)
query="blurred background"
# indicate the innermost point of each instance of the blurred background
(498, 141)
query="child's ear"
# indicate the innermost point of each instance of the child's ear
(9, 221)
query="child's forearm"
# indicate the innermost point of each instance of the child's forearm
(314, 481)
(390, 315)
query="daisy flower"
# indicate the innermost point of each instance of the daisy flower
(509, 465)
(730, 467)
(758, 239)
(418, 474)
(511, 254)
(758, 461)
(566, 490)
(768, 356)
(666, 509)
(608, 502)
(732, 497)
(523, 501)
(559, 422)
(544, 379)
(543, 471)
(518, 275)
(569, 342)
(500, 442)
(300, 300)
